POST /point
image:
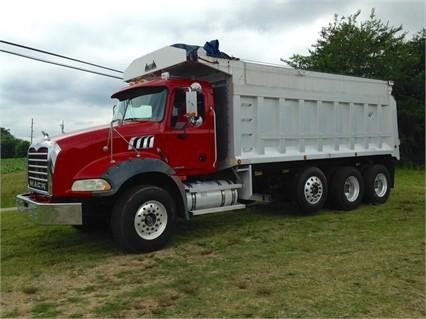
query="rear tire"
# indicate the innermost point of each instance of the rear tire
(143, 219)
(311, 189)
(377, 184)
(347, 188)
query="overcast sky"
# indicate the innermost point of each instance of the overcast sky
(113, 34)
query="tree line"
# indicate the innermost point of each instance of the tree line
(12, 146)
(374, 49)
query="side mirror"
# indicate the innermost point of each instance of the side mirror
(191, 103)
(116, 115)
(196, 121)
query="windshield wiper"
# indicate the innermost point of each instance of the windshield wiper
(132, 119)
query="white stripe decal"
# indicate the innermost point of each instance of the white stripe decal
(145, 142)
(131, 143)
(142, 142)
(138, 144)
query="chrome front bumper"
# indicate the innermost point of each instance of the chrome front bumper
(49, 213)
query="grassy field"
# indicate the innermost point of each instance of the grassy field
(12, 184)
(12, 165)
(265, 261)
(13, 180)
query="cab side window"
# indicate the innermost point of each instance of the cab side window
(179, 119)
(179, 109)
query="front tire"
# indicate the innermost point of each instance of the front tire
(143, 219)
(311, 189)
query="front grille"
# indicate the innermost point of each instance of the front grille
(38, 171)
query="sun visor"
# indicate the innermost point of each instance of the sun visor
(154, 63)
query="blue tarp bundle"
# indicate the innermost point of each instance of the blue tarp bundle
(211, 47)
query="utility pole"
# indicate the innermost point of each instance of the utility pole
(32, 130)
(62, 125)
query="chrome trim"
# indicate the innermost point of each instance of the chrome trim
(37, 173)
(37, 166)
(39, 179)
(49, 213)
(38, 191)
(53, 150)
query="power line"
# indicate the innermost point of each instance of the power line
(60, 64)
(59, 55)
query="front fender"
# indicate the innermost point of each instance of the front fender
(122, 172)
(118, 174)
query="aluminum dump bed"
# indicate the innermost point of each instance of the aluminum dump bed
(269, 113)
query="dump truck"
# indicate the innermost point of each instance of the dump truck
(196, 131)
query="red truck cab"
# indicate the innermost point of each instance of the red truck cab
(151, 134)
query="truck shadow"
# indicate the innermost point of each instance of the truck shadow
(100, 240)
(252, 217)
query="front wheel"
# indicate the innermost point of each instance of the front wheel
(143, 219)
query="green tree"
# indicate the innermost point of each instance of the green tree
(11, 146)
(374, 49)
(21, 148)
(7, 143)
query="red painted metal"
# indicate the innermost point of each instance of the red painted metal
(189, 151)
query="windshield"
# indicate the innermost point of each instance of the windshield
(144, 104)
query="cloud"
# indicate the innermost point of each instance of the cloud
(276, 16)
(113, 34)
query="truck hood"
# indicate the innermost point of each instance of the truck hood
(90, 130)
(92, 140)
(91, 148)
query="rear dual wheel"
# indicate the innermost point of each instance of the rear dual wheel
(347, 188)
(377, 184)
(310, 189)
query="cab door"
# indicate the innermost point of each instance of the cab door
(191, 149)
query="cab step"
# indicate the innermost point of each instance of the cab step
(217, 209)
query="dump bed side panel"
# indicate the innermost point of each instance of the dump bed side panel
(284, 115)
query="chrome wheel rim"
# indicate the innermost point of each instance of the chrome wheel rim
(380, 185)
(150, 220)
(351, 188)
(313, 190)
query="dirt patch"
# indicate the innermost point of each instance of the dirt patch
(90, 287)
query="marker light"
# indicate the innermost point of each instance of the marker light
(90, 185)
(165, 75)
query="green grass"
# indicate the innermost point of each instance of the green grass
(266, 261)
(12, 165)
(12, 180)
(12, 184)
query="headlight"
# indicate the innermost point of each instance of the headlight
(90, 185)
